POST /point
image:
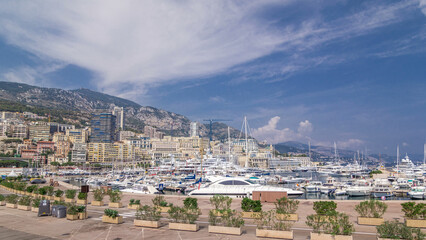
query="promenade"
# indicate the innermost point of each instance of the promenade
(29, 226)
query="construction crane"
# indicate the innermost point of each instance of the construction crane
(211, 121)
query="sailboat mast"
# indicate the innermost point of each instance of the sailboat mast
(397, 160)
(229, 144)
(245, 130)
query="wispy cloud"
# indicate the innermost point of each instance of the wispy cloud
(134, 45)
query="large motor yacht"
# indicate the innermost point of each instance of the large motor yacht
(237, 187)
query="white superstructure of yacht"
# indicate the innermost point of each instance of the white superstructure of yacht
(238, 187)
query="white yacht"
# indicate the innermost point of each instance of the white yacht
(360, 188)
(313, 187)
(237, 187)
(417, 192)
(382, 188)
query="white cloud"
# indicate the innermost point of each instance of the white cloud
(404, 144)
(305, 127)
(422, 5)
(217, 99)
(273, 135)
(132, 45)
(142, 43)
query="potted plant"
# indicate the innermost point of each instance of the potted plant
(20, 187)
(58, 195)
(114, 199)
(2, 200)
(70, 195)
(250, 208)
(222, 219)
(50, 191)
(111, 216)
(42, 191)
(415, 214)
(134, 204)
(72, 212)
(82, 214)
(286, 209)
(34, 191)
(328, 224)
(184, 217)
(35, 205)
(82, 198)
(30, 189)
(396, 230)
(371, 212)
(24, 203)
(147, 216)
(98, 195)
(272, 226)
(161, 203)
(11, 200)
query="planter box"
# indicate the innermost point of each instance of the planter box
(2, 203)
(184, 227)
(11, 205)
(69, 200)
(97, 203)
(82, 201)
(323, 236)
(370, 221)
(274, 234)
(225, 230)
(145, 223)
(116, 220)
(164, 209)
(50, 198)
(82, 215)
(417, 223)
(134, 206)
(250, 214)
(72, 217)
(58, 198)
(288, 217)
(34, 209)
(25, 208)
(115, 205)
(343, 237)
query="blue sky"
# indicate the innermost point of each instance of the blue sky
(346, 71)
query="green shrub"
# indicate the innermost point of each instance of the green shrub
(58, 202)
(12, 198)
(25, 201)
(134, 202)
(82, 196)
(413, 210)
(70, 193)
(269, 220)
(1, 198)
(111, 213)
(49, 190)
(31, 188)
(286, 206)
(397, 230)
(339, 225)
(59, 193)
(36, 202)
(72, 210)
(325, 207)
(232, 218)
(114, 196)
(190, 203)
(371, 209)
(42, 191)
(98, 194)
(81, 209)
(148, 213)
(220, 202)
(20, 186)
(248, 205)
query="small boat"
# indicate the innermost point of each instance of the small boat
(417, 192)
(313, 187)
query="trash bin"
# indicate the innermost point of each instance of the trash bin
(55, 210)
(44, 208)
(61, 211)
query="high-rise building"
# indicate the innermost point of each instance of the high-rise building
(118, 112)
(39, 132)
(194, 132)
(103, 128)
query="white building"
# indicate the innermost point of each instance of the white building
(194, 132)
(118, 112)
